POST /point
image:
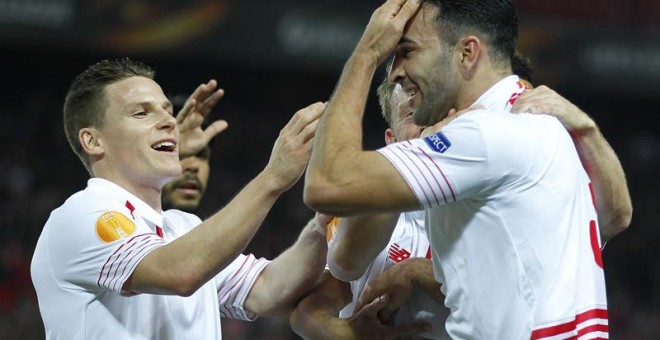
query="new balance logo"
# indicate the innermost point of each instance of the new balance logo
(396, 254)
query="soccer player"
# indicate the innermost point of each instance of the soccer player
(510, 211)
(111, 264)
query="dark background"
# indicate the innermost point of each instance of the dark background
(273, 58)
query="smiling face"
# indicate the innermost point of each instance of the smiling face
(403, 127)
(137, 144)
(423, 66)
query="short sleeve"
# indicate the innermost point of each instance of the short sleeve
(443, 167)
(97, 246)
(234, 284)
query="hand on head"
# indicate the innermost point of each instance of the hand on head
(386, 27)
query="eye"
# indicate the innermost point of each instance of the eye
(139, 114)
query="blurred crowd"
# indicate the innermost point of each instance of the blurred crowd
(40, 172)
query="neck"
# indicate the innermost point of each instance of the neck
(477, 86)
(149, 193)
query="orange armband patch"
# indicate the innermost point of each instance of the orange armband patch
(112, 226)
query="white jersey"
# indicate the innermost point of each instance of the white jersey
(408, 240)
(92, 244)
(512, 223)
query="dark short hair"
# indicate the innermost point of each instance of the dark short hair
(86, 103)
(495, 19)
(522, 66)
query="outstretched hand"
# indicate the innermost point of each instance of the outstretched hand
(193, 138)
(293, 147)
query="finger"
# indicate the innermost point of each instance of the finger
(307, 116)
(185, 111)
(367, 296)
(308, 132)
(407, 11)
(210, 102)
(214, 129)
(374, 306)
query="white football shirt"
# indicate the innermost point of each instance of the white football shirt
(408, 240)
(91, 245)
(512, 223)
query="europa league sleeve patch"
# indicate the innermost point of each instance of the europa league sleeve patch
(112, 226)
(438, 142)
(331, 229)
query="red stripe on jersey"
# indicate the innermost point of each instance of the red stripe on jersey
(428, 253)
(412, 153)
(113, 254)
(129, 253)
(159, 231)
(130, 207)
(572, 325)
(247, 258)
(453, 196)
(397, 155)
(595, 245)
(593, 329)
(444, 196)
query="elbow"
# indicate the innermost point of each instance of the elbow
(186, 285)
(320, 196)
(345, 268)
(622, 220)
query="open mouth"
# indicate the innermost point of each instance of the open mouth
(165, 146)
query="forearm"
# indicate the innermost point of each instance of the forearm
(338, 141)
(608, 180)
(185, 264)
(315, 317)
(357, 243)
(291, 274)
(317, 314)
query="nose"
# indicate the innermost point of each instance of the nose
(190, 164)
(396, 73)
(167, 120)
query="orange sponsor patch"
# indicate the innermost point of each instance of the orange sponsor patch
(112, 226)
(331, 228)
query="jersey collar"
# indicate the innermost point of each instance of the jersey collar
(505, 88)
(114, 191)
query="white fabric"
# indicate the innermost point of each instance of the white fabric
(511, 221)
(78, 277)
(408, 240)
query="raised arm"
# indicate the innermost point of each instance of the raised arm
(185, 264)
(284, 280)
(597, 156)
(342, 179)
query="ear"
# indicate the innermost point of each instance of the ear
(389, 137)
(471, 51)
(90, 142)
